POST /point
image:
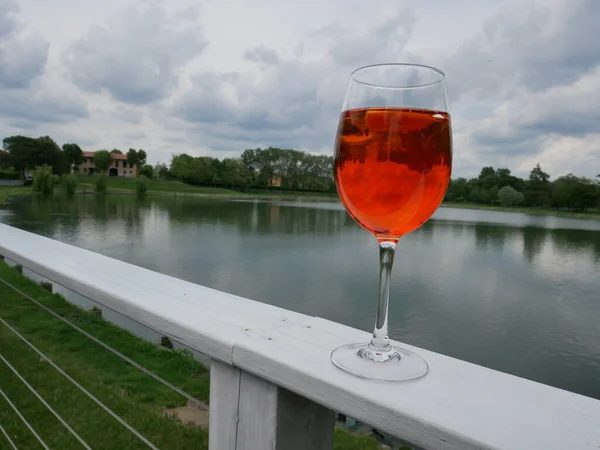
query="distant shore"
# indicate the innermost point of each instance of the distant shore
(524, 210)
(126, 186)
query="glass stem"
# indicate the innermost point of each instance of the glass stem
(380, 341)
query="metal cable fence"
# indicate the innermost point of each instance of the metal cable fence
(148, 372)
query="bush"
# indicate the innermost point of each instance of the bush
(147, 171)
(508, 196)
(9, 175)
(101, 184)
(141, 186)
(69, 184)
(43, 180)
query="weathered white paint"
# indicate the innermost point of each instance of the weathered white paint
(224, 404)
(248, 413)
(456, 406)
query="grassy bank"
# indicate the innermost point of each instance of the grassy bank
(119, 185)
(525, 210)
(139, 399)
(9, 191)
(127, 185)
(122, 184)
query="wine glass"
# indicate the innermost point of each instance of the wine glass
(393, 159)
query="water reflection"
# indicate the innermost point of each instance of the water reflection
(255, 217)
(513, 292)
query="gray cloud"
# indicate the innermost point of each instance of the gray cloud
(26, 108)
(25, 101)
(8, 18)
(532, 73)
(261, 55)
(522, 87)
(535, 49)
(294, 103)
(137, 56)
(22, 57)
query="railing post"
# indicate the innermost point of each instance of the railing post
(248, 413)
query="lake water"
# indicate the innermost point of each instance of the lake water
(513, 292)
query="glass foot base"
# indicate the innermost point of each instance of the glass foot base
(360, 360)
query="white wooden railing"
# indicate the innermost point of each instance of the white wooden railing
(274, 387)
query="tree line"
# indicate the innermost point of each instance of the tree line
(256, 168)
(279, 168)
(22, 154)
(500, 187)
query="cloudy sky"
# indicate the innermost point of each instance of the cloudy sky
(216, 77)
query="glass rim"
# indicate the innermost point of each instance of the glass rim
(416, 86)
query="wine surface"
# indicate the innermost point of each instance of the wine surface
(392, 167)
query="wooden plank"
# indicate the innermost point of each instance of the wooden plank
(303, 424)
(248, 413)
(456, 406)
(197, 316)
(273, 418)
(257, 427)
(224, 401)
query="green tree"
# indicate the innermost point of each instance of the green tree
(141, 186)
(161, 171)
(141, 157)
(539, 188)
(136, 158)
(117, 151)
(132, 160)
(292, 168)
(509, 196)
(68, 184)
(73, 154)
(488, 178)
(26, 153)
(234, 173)
(147, 171)
(4, 160)
(458, 190)
(575, 193)
(102, 160)
(43, 181)
(101, 184)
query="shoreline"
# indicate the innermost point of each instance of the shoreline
(8, 192)
(524, 210)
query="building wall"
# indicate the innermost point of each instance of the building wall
(123, 169)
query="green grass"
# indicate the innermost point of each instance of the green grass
(525, 210)
(136, 397)
(10, 191)
(123, 184)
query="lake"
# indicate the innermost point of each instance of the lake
(514, 292)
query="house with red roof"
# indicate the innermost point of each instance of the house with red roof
(118, 166)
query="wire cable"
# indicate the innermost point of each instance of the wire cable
(41, 399)
(37, 436)
(10, 441)
(79, 386)
(138, 366)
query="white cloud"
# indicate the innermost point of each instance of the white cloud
(137, 56)
(174, 77)
(22, 56)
